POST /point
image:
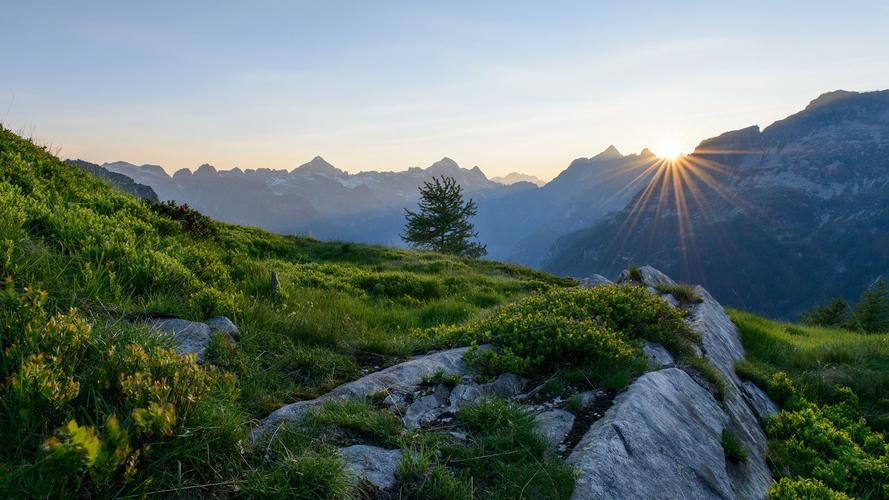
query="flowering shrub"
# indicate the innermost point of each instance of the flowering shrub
(571, 327)
(58, 373)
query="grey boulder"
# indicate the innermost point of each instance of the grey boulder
(189, 337)
(375, 465)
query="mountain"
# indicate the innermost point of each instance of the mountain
(773, 220)
(120, 181)
(518, 222)
(514, 177)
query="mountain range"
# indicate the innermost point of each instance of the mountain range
(773, 220)
(776, 220)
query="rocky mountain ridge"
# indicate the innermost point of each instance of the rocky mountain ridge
(802, 205)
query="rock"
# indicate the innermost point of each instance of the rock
(761, 404)
(670, 299)
(189, 337)
(657, 355)
(459, 436)
(594, 280)
(223, 325)
(441, 394)
(722, 347)
(507, 385)
(422, 411)
(661, 439)
(463, 395)
(403, 377)
(650, 277)
(553, 426)
(587, 398)
(375, 465)
(275, 284)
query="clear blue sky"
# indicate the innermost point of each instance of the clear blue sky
(508, 86)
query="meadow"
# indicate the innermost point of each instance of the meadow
(829, 439)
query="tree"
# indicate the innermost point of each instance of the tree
(872, 311)
(833, 314)
(442, 222)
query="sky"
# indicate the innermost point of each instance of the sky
(388, 85)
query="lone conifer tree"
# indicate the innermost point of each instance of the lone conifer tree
(442, 221)
(872, 312)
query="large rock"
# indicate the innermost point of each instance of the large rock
(223, 325)
(427, 408)
(404, 377)
(650, 276)
(375, 465)
(660, 439)
(666, 426)
(189, 337)
(743, 405)
(594, 280)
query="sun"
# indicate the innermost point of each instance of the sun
(669, 150)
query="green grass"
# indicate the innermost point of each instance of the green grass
(820, 361)
(502, 457)
(829, 439)
(78, 256)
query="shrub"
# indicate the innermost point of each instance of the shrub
(560, 328)
(399, 285)
(833, 314)
(60, 373)
(634, 273)
(193, 222)
(732, 447)
(685, 294)
(803, 489)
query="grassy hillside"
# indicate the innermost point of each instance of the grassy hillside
(83, 263)
(833, 386)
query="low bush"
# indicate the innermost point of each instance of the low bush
(732, 447)
(685, 294)
(561, 328)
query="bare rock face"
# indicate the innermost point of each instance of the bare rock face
(722, 347)
(403, 378)
(661, 439)
(375, 465)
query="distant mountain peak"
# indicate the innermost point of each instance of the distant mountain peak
(206, 169)
(646, 153)
(445, 163)
(610, 153)
(515, 177)
(318, 165)
(830, 98)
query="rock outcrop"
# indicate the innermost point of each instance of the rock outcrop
(402, 378)
(192, 337)
(661, 439)
(662, 436)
